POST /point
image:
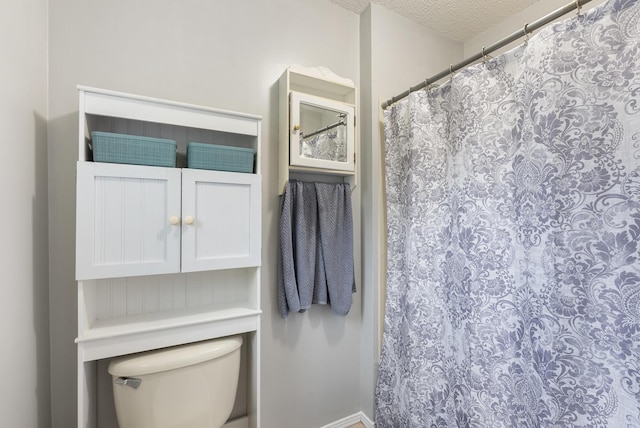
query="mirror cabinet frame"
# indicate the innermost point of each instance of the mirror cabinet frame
(341, 116)
(321, 88)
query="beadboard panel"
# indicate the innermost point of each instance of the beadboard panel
(233, 237)
(129, 206)
(120, 297)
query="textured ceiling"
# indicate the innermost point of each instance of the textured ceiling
(456, 19)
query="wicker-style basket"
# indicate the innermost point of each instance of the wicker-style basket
(221, 158)
(132, 149)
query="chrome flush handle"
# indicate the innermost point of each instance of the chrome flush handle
(132, 382)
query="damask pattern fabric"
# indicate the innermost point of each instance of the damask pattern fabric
(513, 287)
(330, 145)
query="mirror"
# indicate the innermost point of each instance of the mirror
(322, 134)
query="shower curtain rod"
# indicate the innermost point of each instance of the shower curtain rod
(526, 30)
(321, 130)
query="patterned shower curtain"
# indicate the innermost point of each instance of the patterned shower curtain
(329, 145)
(513, 288)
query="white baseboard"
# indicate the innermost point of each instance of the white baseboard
(366, 421)
(351, 420)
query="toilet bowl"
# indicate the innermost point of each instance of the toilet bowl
(191, 385)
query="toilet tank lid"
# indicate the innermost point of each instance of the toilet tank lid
(172, 358)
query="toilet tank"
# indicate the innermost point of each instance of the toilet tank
(191, 385)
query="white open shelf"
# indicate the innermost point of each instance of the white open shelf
(157, 321)
(136, 333)
(119, 316)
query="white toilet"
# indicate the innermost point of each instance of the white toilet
(191, 385)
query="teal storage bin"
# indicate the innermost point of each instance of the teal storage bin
(132, 149)
(220, 158)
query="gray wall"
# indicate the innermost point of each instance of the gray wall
(226, 54)
(24, 312)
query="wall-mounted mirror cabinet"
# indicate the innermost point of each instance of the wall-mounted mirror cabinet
(317, 125)
(322, 133)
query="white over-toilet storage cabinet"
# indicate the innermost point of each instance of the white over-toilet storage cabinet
(165, 256)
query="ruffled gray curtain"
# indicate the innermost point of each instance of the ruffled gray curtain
(513, 289)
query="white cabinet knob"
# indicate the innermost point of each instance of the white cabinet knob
(174, 219)
(188, 219)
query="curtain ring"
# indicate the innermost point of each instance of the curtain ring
(526, 33)
(578, 7)
(451, 71)
(484, 56)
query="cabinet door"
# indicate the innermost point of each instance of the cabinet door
(221, 220)
(128, 220)
(322, 133)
